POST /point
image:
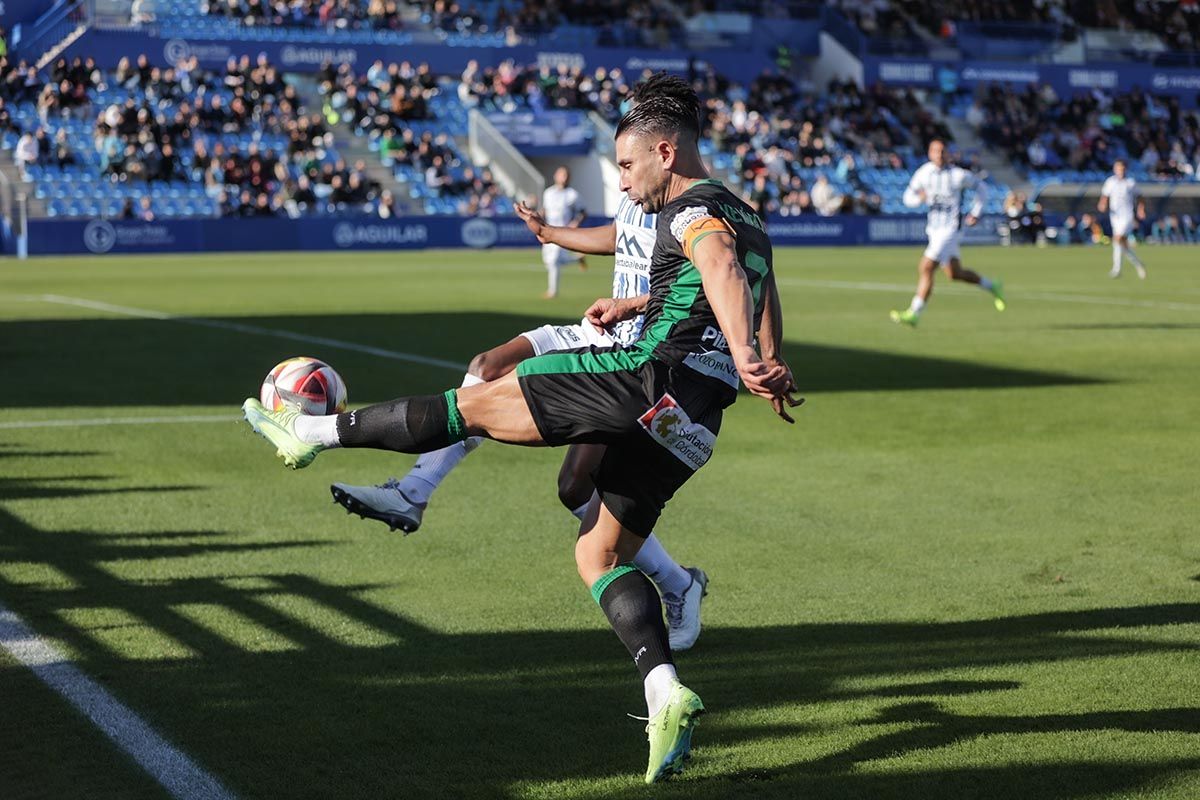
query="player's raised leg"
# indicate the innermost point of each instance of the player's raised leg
(995, 287)
(418, 424)
(402, 503)
(603, 555)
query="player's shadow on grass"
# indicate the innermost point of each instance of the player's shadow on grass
(62, 363)
(295, 687)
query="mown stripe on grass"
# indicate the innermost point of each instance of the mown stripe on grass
(254, 330)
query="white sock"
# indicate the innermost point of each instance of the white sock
(1132, 256)
(658, 687)
(985, 283)
(1116, 257)
(916, 305)
(552, 286)
(668, 576)
(432, 468)
(317, 430)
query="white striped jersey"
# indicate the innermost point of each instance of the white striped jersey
(945, 191)
(636, 232)
(1122, 194)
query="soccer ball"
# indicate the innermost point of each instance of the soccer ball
(305, 384)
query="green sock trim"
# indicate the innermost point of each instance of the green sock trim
(599, 586)
(454, 420)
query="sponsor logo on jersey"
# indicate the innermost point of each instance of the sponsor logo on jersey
(670, 426)
(714, 364)
(685, 218)
(628, 244)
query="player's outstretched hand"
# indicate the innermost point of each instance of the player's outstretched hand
(785, 400)
(534, 221)
(772, 382)
(971, 219)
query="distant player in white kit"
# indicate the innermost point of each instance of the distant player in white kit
(1123, 202)
(561, 209)
(942, 187)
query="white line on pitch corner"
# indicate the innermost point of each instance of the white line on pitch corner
(76, 423)
(1050, 297)
(182, 777)
(255, 330)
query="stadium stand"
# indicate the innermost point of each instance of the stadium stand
(1079, 138)
(415, 122)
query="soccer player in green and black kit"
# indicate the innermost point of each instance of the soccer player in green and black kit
(657, 404)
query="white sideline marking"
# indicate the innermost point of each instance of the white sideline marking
(1052, 297)
(75, 423)
(253, 329)
(178, 774)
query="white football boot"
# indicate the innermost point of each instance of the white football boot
(385, 502)
(683, 611)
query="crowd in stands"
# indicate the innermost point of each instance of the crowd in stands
(1036, 129)
(334, 14)
(509, 87)
(386, 104)
(241, 133)
(793, 148)
(1177, 22)
(877, 18)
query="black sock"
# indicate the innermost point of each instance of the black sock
(634, 610)
(408, 425)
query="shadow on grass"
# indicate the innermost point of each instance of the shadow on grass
(289, 703)
(60, 363)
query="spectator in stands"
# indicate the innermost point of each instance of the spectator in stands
(387, 205)
(127, 211)
(63, 155)
(145, 209)
(760, 197)
(825, 198)
(142, 12)
(796, 203)
(27, 153)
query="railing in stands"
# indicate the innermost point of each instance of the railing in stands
(50, 28)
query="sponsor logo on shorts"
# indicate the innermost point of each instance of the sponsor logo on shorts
(670, 426)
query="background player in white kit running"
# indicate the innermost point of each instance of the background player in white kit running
(560, 208)
(942, 186)
(1123, 202)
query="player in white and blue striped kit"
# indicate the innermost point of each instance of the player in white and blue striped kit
(943, 187)
(401, 503)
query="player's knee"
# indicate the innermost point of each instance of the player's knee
(487, 367)
(593, 560)
(574, 488)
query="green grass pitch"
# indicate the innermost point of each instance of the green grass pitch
(971, 569)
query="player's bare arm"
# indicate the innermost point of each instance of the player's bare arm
(1102, 206)
(770, 347)
(729, 295)
(594, 241)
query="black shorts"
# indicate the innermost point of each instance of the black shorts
(660, 423)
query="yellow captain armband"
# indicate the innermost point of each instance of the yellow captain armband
(697, 230)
